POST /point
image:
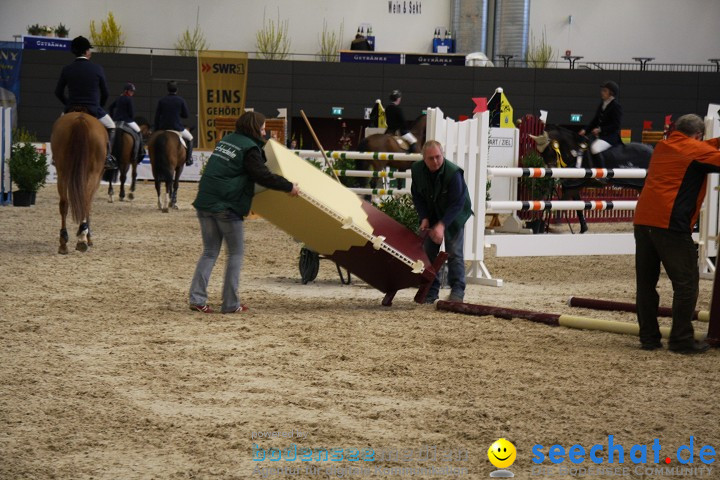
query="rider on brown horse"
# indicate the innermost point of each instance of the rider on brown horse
(123, 112)
(396, 124)
(169, 110)
(87, 90)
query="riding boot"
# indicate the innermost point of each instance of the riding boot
(110, 162)
(189, 159)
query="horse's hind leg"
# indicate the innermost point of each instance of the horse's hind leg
(123, 177)
(173, 196)
(166, 197)
(82, 237)
(111, 192)
(131, 195)
(157, 189)
(63, 228)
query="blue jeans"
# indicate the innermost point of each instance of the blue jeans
(456, 264)
(676, 252)
(214, 228)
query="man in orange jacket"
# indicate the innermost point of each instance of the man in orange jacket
(667, 210)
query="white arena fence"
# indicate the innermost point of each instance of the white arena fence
(5, 149)
(491, 153)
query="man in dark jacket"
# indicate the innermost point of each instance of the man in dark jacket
(87, 89)
(605, 125)
(170, 109)
(442, 201)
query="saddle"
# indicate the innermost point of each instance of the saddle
(402, 143)
(179, 134)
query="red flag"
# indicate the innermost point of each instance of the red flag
(480, 104)
(647, 125)
(668, 119)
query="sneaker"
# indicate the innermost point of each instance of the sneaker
(430, 300)
(240, 309)
(201, 308)
(455, 298)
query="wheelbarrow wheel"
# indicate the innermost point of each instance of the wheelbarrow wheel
(309, 265)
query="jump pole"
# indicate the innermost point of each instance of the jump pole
(596, 304)
(552, 319)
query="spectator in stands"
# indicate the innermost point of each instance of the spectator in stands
(605, 125)
(666, 212)
(442, 201)
(360, 43)
(224, 196)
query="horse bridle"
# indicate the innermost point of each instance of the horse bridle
(559, 161)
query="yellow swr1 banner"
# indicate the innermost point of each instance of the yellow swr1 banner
(221, 93)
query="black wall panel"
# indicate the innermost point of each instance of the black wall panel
(315, 87)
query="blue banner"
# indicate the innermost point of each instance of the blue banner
(370, 57)
(46, 43)
(434, 59)
(10, 60)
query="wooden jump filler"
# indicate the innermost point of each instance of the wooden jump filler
(331, 220)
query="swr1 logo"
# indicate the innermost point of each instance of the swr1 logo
(231, 68)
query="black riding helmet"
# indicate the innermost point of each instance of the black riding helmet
(395, 95)
(80, 45)
(612, 86)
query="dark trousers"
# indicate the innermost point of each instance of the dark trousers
(456, 264)
(677, 253)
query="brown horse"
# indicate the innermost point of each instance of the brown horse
(384, 142)
(123, 152)
(79, 146)
(167, 159)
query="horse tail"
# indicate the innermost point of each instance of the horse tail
(163, 169)
(79, 159)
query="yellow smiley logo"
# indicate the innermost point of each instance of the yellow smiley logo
(502, 453)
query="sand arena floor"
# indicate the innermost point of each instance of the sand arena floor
(106, 374)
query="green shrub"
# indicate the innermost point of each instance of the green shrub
(189, 43)
(402, 209)
(110, 38)
(540, 54)
(537, 188)
(330, 43)
(272, 40)
(28, 167)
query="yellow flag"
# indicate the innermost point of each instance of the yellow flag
(506, 112)
(382, 121)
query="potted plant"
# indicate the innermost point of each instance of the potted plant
(61, 31)
(34, 29)
(28, 170)
(47, 31)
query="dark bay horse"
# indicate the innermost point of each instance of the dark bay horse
(79, 146)
(384, 142)
(123, 152)
(563, 148)
(167, 159)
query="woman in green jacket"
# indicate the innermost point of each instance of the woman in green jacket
(224, 197)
